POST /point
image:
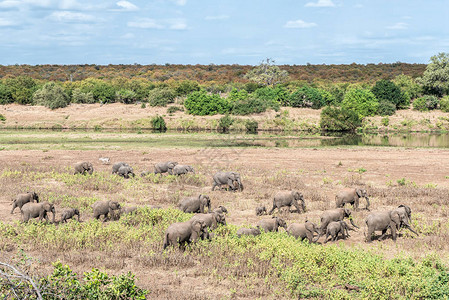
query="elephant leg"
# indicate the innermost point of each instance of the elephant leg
(369, 236)
(13, 207)
(309, 236)
(298, 210)
(214, 186)
(393, 232)
(106, 217)
(231, 184)
(356, 205)
(271, 211)
(326, 238)
(384, 232)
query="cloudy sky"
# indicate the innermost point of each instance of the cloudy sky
(222, 31)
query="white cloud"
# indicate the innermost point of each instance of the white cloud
(68, 16)
(9, 4)
(146, 24)
(128, 36)
(181, 2)
(126, 5)
(299, 24)
(220, 17)
(320, 3)
(398, 26)
(5, 23)
(178, 25)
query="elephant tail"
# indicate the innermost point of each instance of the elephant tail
(166, 241)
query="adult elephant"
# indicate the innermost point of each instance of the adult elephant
(405, 214)
(231, 179)
(34, 210)
(195, 204)
(84, 168)
(211, 220)
(304, 230)
(21, 199)
(182, 169)
(248, 231)
(336, 228)
(334, 215)
(125, 171)
(70, 213)
(117, 166)
(288, 198)
(184, 233)
(272, 224)
(351, 196)
(105, 208)
(381, 221)
(164, 167)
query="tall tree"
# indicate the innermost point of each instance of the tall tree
(435, 79)
(267, 73)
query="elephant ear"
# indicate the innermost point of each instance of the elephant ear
(347, 212)
(359, 192)
(197, 225)
(395, 217)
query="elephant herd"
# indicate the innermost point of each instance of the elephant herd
(202, 224)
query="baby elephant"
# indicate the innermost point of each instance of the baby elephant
(164, 167)
(272, 224)
(261, 210)
(105, 208)
(221, 209)
(248, 231)
(336, 228)
(34, 210)
(182, 169)
(195, 204)
(84, 168)
(21, 199)
(70, 213)
(304, 230)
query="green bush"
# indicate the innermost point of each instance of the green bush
(387, 91)
(328, 97)
(408, 86)
(277, 94)
(225, 123)
(5, 94)
(173, 109)
(252, 105)
(251, 87)
(22, 88)
(201, 103)
(306, 97)
(51, 95)
(78, 96)
(159, 124)
(444, 104)
(161, 96)
(425, 103)
(251, 126)
(361, 101)
(186, 87)
(2, 118)
(126, 96)
(385, 121)
(386, 108)
(339, 119)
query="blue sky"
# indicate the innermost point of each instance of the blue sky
(222, 31)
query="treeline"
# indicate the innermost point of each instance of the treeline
(220, 74)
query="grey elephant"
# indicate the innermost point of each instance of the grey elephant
(221, 209)
(288, 199)
(84, 168)
(334, 215)
(211, 220)
(405, 214)
(336, 228)
(164, 167)
(248, 231)
(272, 224)
(125, 171)
(261, 210)
(304, 230)
(184, 233)
(231, 179)
(382, 221)
(116, 214)
(34, 210)
(69, 213)
(21, 199)
(351, 196)
(182, 169)
(195, 204)
(117, 166)
(105, 208)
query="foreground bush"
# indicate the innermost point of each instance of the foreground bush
(425, 103)
(339, 119)
(201, 103)
(159, 124)
(387, 91)
(51, 95)
(444, 104)
(161, 96)
(306, 97)
(361, 101)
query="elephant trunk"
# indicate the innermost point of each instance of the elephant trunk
(352, 222)
(318, 237)
(367, 203)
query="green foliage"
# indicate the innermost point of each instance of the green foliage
(2, 118)
(361, 101)
(201, 103)
(277, 95)
(252, 105)
(435, 79)
(338, 91)
(306, 96)
(425, 103)
(5, 94)
(251, 126)
(186, 87)
(101, 90)
(250, 87)
(158, 123)
(328, 98)
(444, 104)
(173, 109)
(126, 96)
(161, 96)
(236, 95)
(225, 123)
(408, 86)
(267, 73)
(339, 119)
(51, 95)
(22, 88)
(78, 96)
(386, 108)
(387, 91)
(385, 121)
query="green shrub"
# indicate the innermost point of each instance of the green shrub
(186, 87)
(161, 96)
(306, 97)
(328, 97)
(408, 86)
(201, 103)
(236, 95)
(78, 96)
(444, 104)
(386, 108)
(339, 119)
(251, 126)
(252, 105)
(2, 118)
(159, 124)
(425, 103)
(251, 87)
(361, 101)
(173, 109)
(277, 94)
(51, 95)
(125, 96)
(225, 123)
(5, 94)
(386, 91)
(385, 121)
(22, 88)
